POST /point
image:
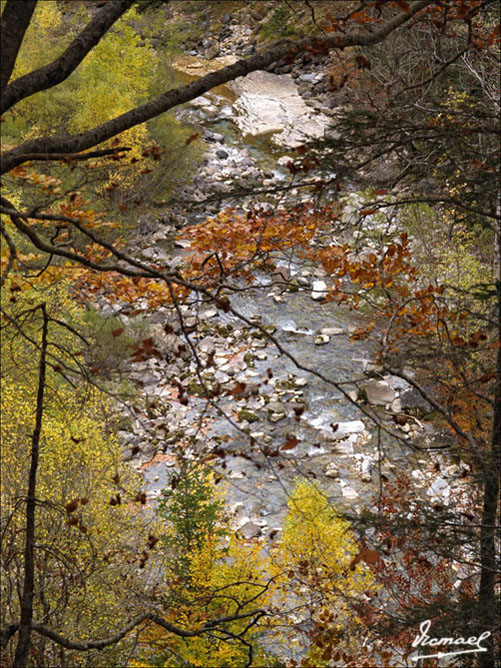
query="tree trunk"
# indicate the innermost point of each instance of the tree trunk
(16, 18)
(487, 608)
(24, 639)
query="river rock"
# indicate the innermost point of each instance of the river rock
(379, 393)
(250, 530)
(366, 466)
(207, 311)
(149, 379)
(166, 344)
(207, 345)
(430, 439)
(269, 104)
(346, 446)
(413, 402)
(396, 405)
(440, 487)
(319, 290)
(347, 491)
(213, 137)
(310, 77)
(345, 429)
(331, 470)
(212, 51)
(331, 331)
(453, 471)
(321, 339)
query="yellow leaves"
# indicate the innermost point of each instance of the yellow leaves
(318, 545)
(312, 564)
(221, 571)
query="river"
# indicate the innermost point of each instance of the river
(336, 442)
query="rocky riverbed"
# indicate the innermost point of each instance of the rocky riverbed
(275, 418)
(251, 129)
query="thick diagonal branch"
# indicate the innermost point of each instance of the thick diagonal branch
(173, 98)
(60, 69)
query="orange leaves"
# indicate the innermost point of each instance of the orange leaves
(239, 390)
(144, 350)
(404, 6)
(361, 17)
(362, 332)
(128, 289)
(370, 557)
(46, 182)
(290, 442)
(494, 35)
(237, 244)
(473, 341)
(154, 151)
(191, 138)
(224, 304)
(72, 506)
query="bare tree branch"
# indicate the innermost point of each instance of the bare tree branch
(68, 157)
(84, 646)
(12, 253)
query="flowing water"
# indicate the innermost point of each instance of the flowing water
(259, 481)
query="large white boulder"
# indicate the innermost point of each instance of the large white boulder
(269, 104)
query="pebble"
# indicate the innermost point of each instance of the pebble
(250, 530)
(331, 331)
(440, 487)
(366, 468)
(379, 393)
(331, 470)
(319, 290)
(347, 491)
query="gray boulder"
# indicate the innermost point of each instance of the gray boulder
(379, 393)
(413, 402)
